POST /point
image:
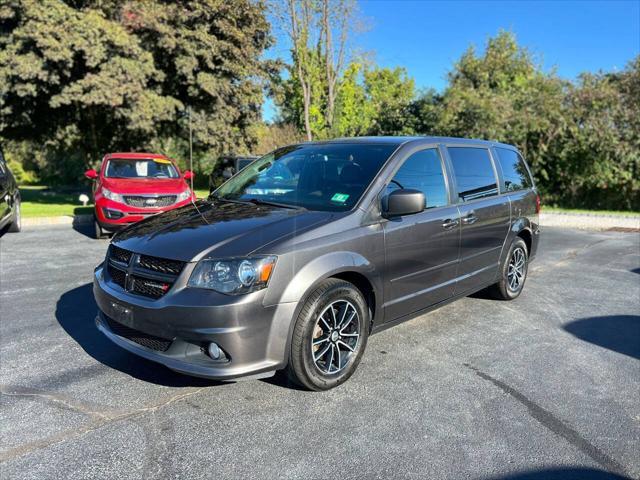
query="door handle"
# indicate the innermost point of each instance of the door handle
(469, 219)
(448, 224)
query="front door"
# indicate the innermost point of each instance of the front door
(421, 249)
(484, 216)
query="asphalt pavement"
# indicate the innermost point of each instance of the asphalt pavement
(544, 387)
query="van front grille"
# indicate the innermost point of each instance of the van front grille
(143, 275)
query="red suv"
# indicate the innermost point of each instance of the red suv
(133, 186)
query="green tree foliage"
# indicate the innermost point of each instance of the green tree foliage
(389, 93)
(373, 101)
(354, 113)
(581, 140)
(600, 154)
(83, 78)
(503, 95)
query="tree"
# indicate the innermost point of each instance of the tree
(390, 92)
(318, 32)
(276, 135)
(601, 151)
(504, 95)
(87, 77)
(354, 115)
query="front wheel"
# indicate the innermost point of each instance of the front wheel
(329, 337)
(98, 232)
(513, 272)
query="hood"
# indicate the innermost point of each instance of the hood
(215, 229)
(145, 185)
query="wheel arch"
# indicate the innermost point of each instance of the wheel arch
(526, 235)
(348, 266)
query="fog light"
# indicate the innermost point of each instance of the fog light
(214, 351)
(112, 214)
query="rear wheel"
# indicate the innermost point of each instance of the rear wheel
(329, 337)
(513, 272)
(16, 223)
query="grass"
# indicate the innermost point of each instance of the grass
(38, 201)
(619, 213)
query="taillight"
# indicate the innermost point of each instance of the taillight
(537, 203)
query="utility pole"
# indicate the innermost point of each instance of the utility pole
(190, 146)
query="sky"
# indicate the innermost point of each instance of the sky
(427, 37)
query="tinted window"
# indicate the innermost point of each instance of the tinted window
(243, 163)
(329, 177)
(143, 168)
(423, 171)
(514, 171)
(474, 173)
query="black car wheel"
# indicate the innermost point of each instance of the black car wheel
(513, 272)
(330, 336)
(16, 223)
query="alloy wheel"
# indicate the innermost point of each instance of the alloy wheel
(516, 271)
(335, 337)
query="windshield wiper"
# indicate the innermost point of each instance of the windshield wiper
(259, 201)
(218, 198)
(256, 201)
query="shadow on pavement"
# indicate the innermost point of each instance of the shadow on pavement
(85, 229)
(76, 312)
(620, 333)
(563, 474)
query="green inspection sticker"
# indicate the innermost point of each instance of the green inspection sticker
(339, 197)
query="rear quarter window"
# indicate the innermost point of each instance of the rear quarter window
(514, 171)
(474, 173)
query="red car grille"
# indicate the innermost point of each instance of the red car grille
(156, 201)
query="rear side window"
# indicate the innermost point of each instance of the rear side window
(514, 171)
(474, 173)
(423, 171)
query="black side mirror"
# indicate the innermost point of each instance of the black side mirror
(404, 201)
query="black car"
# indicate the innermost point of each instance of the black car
(297, 259)
(226, 167)
(10, 218)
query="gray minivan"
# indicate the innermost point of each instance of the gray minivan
(293, 262)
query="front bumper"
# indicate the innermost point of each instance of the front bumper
(253, 337)
(127, 215)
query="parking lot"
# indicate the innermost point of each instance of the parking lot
(547, 386)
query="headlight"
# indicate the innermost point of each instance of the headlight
(233, 276)
(184, 195)
(116, 197)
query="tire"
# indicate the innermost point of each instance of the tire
(335, 301)
(508, 287)
(98, 233)
(16, 223)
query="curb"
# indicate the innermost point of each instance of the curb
(61, 220)
(589, 221)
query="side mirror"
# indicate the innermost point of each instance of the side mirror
(91, 174)
(404, 201)
(188, 175)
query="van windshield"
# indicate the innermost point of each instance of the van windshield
(140, 168)
(329, 177)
